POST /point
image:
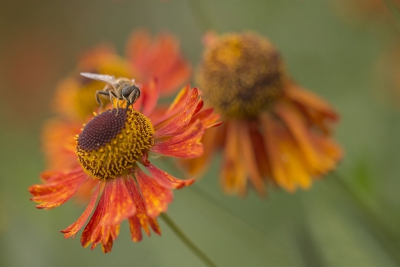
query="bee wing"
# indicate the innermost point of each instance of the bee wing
(100, 77)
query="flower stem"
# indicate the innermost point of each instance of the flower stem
(383, 232)
(185, 239)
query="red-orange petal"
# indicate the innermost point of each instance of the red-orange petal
(57, 190)
(140, 219)
(249, 160)
(182, 119)
(185, 145)
(233, 176)
(208, 118)
(71, 230)
(176, 76)
(59, 144)
(166, 180)
(149, 93)
(287, 163)
(135, 229)
(107, 247)
(210, 141)
(296, 125)
(314, 154)
(179, 100)
(310, 100)
(94, 221)
(259, 151)
(156, 197)
(120, 205)
(159, 58)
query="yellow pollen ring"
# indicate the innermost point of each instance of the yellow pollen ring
(107, 159)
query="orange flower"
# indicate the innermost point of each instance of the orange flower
(147, 59)
(75, 98)
(111, 151)
(274, 130)
(159, 59)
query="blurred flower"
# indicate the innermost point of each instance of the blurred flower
(146, 59)
(352, 10)
(110, 148)
(160, 58)
(75, 97)
(274, 130)
(387, 79)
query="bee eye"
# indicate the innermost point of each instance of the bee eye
(127, 90)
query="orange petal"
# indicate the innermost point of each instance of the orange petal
(249, 160)
(108, 246)
(310, 101)
(177, 75)
(233, 171)
(166, 180)
(183, 117)
(135, 229)
(87, 235)
(259, 151)
(208, 118)
(305, 138)
(58, 190)
(167, 114)
(156, 197)
(137, 47)
(140, 219)
(296, 126)
(84, 193)
(195, 166)
(287, 166)
(71, 230)
(59, 144)
(149, 93)
(185, 145)
(120, 205)
(159, 59)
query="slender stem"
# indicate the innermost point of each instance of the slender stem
(372, 216)
(185, 239)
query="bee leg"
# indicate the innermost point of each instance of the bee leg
(112, 95)
(127, 105)
(98, 98)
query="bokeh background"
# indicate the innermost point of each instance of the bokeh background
(345, 51)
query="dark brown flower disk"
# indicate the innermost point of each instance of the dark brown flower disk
(102, 129)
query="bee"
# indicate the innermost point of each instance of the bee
(120, 89)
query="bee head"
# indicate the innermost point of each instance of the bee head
(131, 93)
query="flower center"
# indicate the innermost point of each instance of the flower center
(111, 143)
(241, 74)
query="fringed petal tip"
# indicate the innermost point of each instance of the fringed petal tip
(311, 102)
(156, 197)
(166, 180)
(185, 145)
(60, 187)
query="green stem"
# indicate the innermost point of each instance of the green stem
(185, 239)
(384, 232)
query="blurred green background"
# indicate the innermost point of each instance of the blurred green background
(350, 218)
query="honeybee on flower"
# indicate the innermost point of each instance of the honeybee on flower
(112, 151)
